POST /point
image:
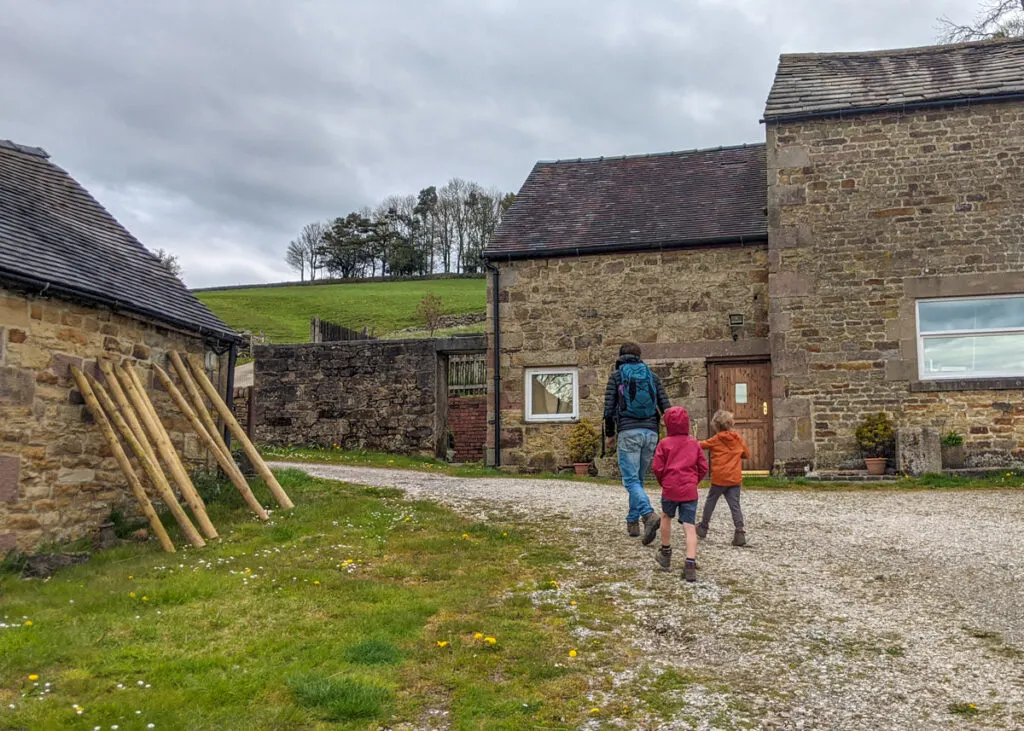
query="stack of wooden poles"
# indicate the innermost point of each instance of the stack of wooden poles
(123, 408)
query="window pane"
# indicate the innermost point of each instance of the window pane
(973, 356)
(551, 393)
(990, 313)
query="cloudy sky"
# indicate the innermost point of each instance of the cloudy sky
(217, 128)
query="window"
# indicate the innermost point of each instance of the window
(971, 337)
(552, 394)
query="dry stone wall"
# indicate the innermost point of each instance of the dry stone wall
(58, 479)
(368, 394)
(867, 214)
(577, 311)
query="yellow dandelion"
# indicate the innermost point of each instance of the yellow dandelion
(130, 577)
(407, 519)
(490, 640)
(478, 635)
(465, 536)
(145, 598)
(28, 622)
(572, 653)
(131, 595)
(316, 583)
(504, 535)
(572, 604)
(554, 584)
(595, 710)
(442, 643)
(33, 677)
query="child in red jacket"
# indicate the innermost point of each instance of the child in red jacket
(679, 464)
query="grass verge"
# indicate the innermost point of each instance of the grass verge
(357, 608)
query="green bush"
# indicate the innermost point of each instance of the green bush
(952, 439)
(584, 442)
(875, 435)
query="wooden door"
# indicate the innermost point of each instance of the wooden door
(745, 389)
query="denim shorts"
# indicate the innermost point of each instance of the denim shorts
(687, 510)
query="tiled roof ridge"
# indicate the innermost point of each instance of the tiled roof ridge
(26, 149)
(643, 155)
(908, 51)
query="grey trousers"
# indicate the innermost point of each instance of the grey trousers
(732, 496)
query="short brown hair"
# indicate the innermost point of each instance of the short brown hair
(629, 349)
(722, 420)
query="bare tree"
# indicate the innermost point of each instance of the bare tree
(996, 19)
(311, 241)
(296, 259)
(169, 262)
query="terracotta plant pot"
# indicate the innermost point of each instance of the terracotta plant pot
(582, 468)
(953, 457)
(876, 465)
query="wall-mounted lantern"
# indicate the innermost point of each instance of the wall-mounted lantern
(735, 324)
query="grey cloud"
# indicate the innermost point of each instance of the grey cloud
(216, 130)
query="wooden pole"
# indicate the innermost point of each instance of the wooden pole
(142, 453)
(122, 461)
(223, 458)
(254, 456)
(169, 456)
(197, 398)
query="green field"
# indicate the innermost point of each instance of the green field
(283, 313)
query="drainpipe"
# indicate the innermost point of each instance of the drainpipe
(497, 365)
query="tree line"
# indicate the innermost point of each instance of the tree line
(438, 230)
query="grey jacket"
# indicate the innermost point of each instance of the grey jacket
(613, 420)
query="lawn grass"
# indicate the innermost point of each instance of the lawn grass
(283, 313)
(365, 458)
(356, 609)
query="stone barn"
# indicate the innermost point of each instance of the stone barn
(77, 288)
(869, 257)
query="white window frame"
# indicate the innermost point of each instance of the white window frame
(528, 388)
(925, 375)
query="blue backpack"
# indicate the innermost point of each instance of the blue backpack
(637, 397)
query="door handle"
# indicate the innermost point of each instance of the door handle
(764, 406)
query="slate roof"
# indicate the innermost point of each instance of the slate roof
(817, 83)
(637, 202)
(52, 232)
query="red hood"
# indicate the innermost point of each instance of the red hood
(677, 422)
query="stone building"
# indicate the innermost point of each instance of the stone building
(869, 258)
(76, 288)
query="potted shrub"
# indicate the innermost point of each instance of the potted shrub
(583, 445)
(953, 450)
(876, 437)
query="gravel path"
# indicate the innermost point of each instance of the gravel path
(853, 610)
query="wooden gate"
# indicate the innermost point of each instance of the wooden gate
(745, 389)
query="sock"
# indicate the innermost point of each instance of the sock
(666, 549)
(691, 560)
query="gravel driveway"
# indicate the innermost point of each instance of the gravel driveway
(858, 610)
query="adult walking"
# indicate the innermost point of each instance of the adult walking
(634, 401)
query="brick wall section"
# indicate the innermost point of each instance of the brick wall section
(378, 395)
(577, 311)
(867, 214)
(58, 478)
(467, 421)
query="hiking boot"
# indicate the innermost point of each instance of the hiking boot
(702, 530)
(739, 538)
(690, 570)
(663, 557)
(633, 528)
(651, 524)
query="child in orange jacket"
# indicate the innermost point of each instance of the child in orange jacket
(728, 450)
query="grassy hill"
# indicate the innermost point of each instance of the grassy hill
(283, 313)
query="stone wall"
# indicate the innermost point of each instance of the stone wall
(58, 478)
(577, 311)
(364, 394)
(866, 215)
(467, 421)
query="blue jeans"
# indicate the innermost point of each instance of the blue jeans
(636, 451)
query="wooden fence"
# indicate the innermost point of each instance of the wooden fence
(467, 374)
(321, 331)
